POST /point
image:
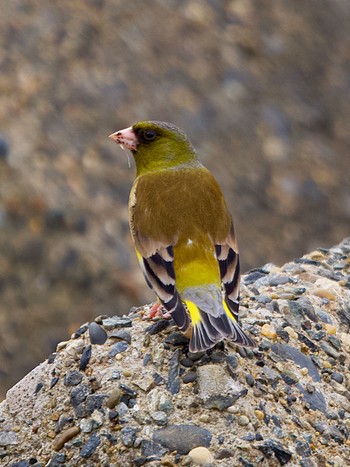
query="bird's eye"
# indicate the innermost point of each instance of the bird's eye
(149, 135)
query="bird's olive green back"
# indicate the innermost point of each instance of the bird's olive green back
(172, 205)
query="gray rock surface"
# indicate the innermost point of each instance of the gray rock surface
(287, 402)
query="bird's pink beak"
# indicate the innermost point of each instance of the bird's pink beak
(126, 138)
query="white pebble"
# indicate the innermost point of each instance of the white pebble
(201, 455)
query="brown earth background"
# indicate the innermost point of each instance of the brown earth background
(261, 87)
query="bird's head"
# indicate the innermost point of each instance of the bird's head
(157, 146)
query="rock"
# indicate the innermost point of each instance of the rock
(290, 353)
(128, 436)
(90, 446)
(150, 448)
(282, 454)
(85, 358)
(64, 437)
(173, 375)
(121, 334)
(73, 378)
(200, 456)
(117, 348)
(7, 438)
(182, 438)
(97, 334)
(116, 322)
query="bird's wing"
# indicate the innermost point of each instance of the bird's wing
(228, 259)
(158, 270)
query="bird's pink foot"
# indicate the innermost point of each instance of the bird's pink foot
(157, 310)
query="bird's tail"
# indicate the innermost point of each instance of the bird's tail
(210, 328)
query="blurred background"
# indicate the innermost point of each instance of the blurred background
(262, 88)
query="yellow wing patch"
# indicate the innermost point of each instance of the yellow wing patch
(228, 311)
(194, 312)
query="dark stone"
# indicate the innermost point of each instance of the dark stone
(245, 463)
(282, 334)
(276, 421)
(218, 357)
(55, 220)
(90, 446)
(150, 448)
(253, 277)
(144, 460)
(289, 378)
(187, 362)
(20, 464)
(302, 307)
(119, 347)
(330, 350)
(38, 388)
(315, 400)
(85, 358)
(232, 364)
(121, 334)
(338, 377)
(307, 342)
(97, 334)
(128, 435)
(117, 322)
(73, 378)
(182, 438)
(189, 377)
(224, 454)
(270, 447)
(51, 357)
(250, 380)
(79, 394)
(173, 375)
(54, 381)
(177, 338)
(128, 391)
(158, 379)
(82, 330)
(158, 326)
(290, 353)
(219, 402)
(335, 342)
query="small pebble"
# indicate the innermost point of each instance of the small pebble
(267, 330)
(85, 358)
(330, 329)
(73, 378)
(118, 348)
(201, 455)
(121, 334)
(250, 380)
(160, 418)
(324, 293)
(128, 435)
(97, 334)
(291, 332)
(338, 377)
(243, 420)
(189, 377)
(90, 446)
(65, 436)
(259, 414)
(116, 322)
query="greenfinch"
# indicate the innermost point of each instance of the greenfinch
(183, 234)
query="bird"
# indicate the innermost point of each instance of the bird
(183, 234)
